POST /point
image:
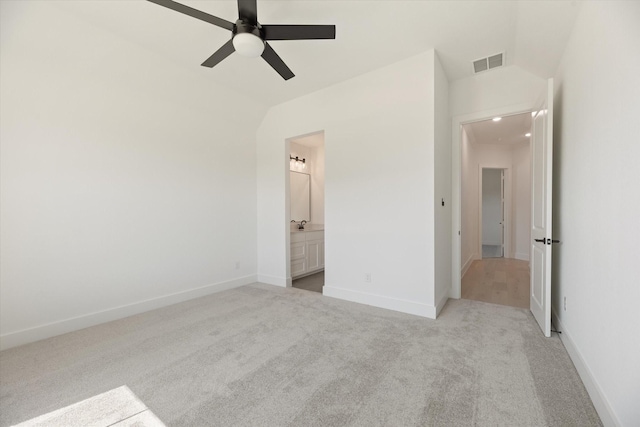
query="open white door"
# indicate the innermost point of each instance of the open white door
(541, 176)
(502, 216)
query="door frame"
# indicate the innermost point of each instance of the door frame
(506, 214)
(456, 183)
(287, 198)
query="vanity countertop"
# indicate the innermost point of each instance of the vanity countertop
(307, 227)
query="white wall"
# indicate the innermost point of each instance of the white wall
(317, 187)
(502, 87)
(597, 205)
(379, 185)
(125, 185)
(469, 230)
(442, 174)
(521, 201)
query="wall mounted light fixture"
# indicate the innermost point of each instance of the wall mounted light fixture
(298, 161)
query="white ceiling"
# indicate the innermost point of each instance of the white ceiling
(369, 35)
(314, 140)
(510, 130)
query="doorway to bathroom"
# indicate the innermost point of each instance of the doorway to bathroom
(306, 214)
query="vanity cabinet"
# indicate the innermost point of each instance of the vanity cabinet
(298, 256)
(307, 252)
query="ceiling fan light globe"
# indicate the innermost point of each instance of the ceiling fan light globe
(249, 45)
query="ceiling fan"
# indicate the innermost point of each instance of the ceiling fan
(249, 38)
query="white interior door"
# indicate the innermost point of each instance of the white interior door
(502, 216)
(541, 175)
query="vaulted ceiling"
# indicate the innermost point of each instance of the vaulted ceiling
(507, 131)
(370, 34)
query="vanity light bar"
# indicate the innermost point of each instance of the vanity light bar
(297, 159)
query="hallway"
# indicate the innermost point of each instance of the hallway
(502, 281)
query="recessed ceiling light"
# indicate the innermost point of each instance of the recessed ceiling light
(497, 119)
(527, 135)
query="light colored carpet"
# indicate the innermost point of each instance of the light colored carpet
(268, 356)
(115, 408)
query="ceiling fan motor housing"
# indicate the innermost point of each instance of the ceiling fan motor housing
(241, 27)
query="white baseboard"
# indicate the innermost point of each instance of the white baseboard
(25, 336)
(395, 304)
(521, 256)
(274, 280)
(467, 264)
(600, 402)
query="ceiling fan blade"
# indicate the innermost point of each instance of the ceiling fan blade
(274, 60)
(248, 11)
(299, 32)
(178, 7)
(226, 50)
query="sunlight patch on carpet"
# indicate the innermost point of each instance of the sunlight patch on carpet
(118, 407)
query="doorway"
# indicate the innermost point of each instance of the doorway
(495, 209)
(305, 192)
(492, 213)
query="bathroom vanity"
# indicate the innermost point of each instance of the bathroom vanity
(307, 250)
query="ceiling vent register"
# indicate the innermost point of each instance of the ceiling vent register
(489, 63)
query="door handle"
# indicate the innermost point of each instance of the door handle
(546, 241)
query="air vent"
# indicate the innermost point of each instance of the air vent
(484, 64)
(480, 65)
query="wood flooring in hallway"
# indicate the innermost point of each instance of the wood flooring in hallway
(502, 281)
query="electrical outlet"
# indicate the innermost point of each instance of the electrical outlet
(237, 265)
(565, 303)
(367, 277)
